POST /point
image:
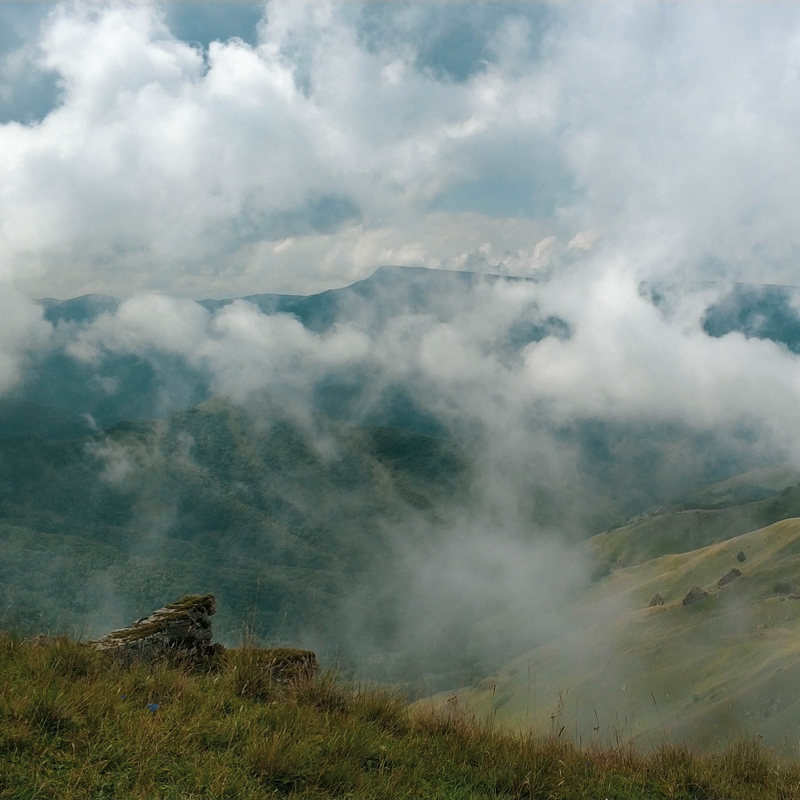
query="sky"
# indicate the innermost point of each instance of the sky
(219, 149)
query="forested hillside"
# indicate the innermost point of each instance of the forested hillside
(282, 516)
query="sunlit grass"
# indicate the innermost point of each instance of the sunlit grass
(75, 725)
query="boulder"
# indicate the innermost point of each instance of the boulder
(729, 576)
(741, 557)
(604, 567)
(695, 595)
(784, 588)
(180, 630)
(656, 600)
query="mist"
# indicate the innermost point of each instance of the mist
(576, 210)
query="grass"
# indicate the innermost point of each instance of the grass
(73, 724)
(703, 675)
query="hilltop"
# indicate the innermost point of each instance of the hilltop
(714, 513)
(74, 724)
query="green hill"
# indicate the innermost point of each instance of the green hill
(712, 514)
(705, 673)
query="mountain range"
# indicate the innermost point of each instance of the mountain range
(146, 388)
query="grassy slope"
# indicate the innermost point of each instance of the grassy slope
(704, 674)
(732, 490)
(74, 726)
(683, 531)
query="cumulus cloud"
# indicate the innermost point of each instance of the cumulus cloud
(167, 161)
(23, 331)
(681, 120)
(344, 137)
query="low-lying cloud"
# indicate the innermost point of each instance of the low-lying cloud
(23, 331)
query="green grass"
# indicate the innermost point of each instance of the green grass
(686, 530)
(75, 725)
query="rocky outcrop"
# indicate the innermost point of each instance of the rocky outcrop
(656, 600)
(604, 567)
(786, 589)
(180, 630)
(694, 595)
(729, 576)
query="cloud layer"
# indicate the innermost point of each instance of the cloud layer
(351, 135)
(634, 141)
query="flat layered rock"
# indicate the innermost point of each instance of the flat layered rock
(180, 629)
(695, 595)
(729, 576)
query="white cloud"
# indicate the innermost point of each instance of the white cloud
(625, 359)
(681, 120)
(23, 331)
(167, 168)
(162, 168)
(143, 323)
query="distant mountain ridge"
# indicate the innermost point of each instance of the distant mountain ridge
(83, 309)
(398, 289)
(123, 387)
(388, 292)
